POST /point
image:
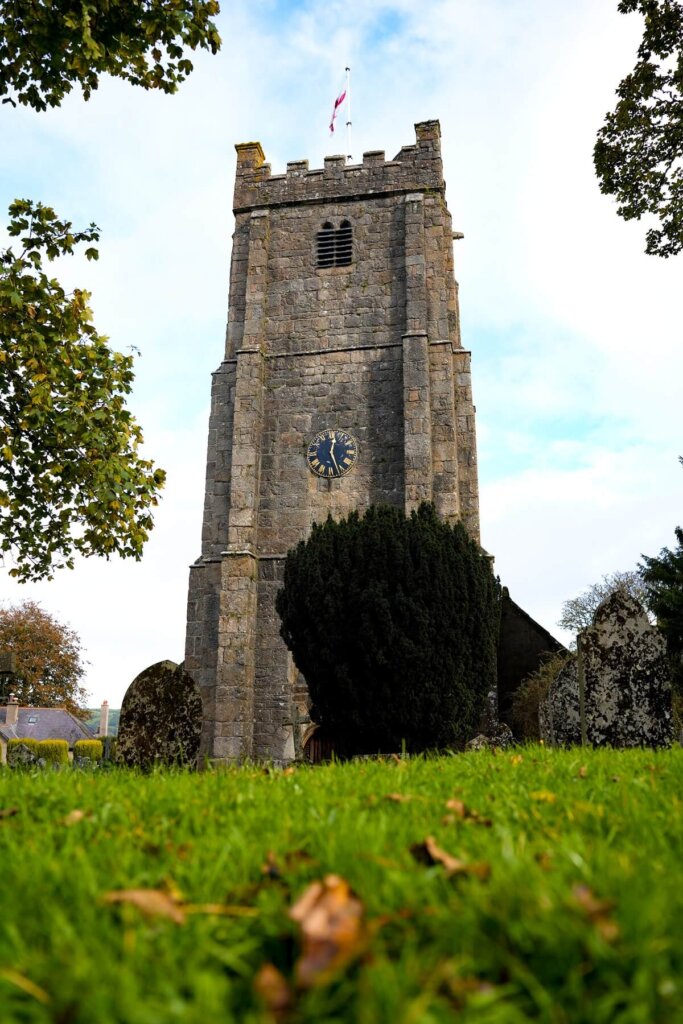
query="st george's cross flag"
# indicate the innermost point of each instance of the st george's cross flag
(337, 104)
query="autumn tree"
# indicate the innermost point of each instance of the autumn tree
(48, 658)
(639, 150)
(47, 48)
(393, 622)
(71, 476)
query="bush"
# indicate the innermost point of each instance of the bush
(529, 694)
(13, 746)
(92, 749)
(53, 751)
(393, 622)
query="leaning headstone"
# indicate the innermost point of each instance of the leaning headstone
(627, 677)
(558, 715)
(627, 685)
(21, 756)
(161, 718)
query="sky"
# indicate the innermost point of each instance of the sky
(576, 335)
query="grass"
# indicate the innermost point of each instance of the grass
(580, 919)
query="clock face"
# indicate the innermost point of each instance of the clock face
(332, 453)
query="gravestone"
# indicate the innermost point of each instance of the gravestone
(558, 715)
(627, 685)
(628, 681)
(161, 718)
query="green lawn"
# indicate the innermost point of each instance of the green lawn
(568, 904)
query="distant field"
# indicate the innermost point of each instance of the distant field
(554, 893)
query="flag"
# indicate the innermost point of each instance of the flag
(337, 104)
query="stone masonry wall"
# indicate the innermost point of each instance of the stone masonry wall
(372, 348)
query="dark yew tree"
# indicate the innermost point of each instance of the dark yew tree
(393, 621)
(663, 576)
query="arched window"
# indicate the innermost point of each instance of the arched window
(334, 247)
(326, 240)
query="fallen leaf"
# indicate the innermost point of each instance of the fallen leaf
(616, 778)
(583, 772)
(597, 911)
(289, 770)
(8, 812)
(516, 759)
(399, 798)
(25, 984)
(429, 853)
(333, 932)
(151, 902)
(73, 817)
(273, 989)
(396, 758)
(467, 814)
(543, 796)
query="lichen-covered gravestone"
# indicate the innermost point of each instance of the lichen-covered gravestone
(558, 715)
(627, 685)
(628, 682)
(161, 718)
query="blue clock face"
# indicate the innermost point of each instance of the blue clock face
(332, 453)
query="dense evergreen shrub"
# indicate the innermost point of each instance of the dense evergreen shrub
(54, 751)
(393, 622)
(92, 749)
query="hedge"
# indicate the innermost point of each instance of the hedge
(92, 749)
(54, 751)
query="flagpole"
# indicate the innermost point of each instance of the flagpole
(348, 114)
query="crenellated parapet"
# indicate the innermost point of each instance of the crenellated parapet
(414, 168)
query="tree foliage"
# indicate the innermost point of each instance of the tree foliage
(393, 622)
(663, 576)
(47, 47)
(71, 478)
(639, 150)
(577, 614)
(48, 654)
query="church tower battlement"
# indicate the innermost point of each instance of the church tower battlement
(343, 317)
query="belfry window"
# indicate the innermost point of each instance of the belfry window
(334, 246)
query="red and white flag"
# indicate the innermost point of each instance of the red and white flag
(337, 104)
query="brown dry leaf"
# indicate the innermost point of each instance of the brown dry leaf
(467, 814)
(429, 853)
(516, 759)
(8, 812)
(273, 989)
(597, 911)
(289, 770)
(616, 778)
(583, 772)
(333, 931)
(399, 798)
(151, 902)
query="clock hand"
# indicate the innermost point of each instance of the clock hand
(332, 455)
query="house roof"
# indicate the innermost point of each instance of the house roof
(44, 724)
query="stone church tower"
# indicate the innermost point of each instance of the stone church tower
(343, 328)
